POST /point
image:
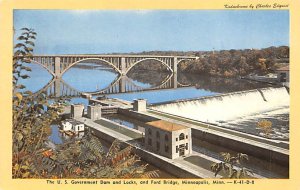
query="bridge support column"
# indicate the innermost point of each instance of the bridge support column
(123, 66)
(175, 63)
(174, 80)
(57, 65)
(57, 87)
(122, 83)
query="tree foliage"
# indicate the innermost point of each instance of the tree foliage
(35, 157)
(265, 126)
(232, 63)
(231, 166)
(87, 159)
(224, 63)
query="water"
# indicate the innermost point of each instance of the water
(240, 111)
(228, 107)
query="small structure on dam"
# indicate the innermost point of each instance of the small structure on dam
(94, 112)
(140, 105)
(168, 139)
(77, 110)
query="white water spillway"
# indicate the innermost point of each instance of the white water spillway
(229, 106)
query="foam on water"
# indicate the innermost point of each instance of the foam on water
(225, 107)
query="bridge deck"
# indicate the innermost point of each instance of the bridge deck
(116, 55)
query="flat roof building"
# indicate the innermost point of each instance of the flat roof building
(283, 74)
(168, 139)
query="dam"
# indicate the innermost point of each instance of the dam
(229, 106)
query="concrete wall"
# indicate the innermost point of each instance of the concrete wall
(242, 147)
(136, 115)
(164, 165)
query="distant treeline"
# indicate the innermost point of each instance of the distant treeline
(225, 63)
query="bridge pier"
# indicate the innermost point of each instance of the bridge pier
(175, 63)
(123, 66)
(57, 87)
(174, 80)
(57, 65)
(122, 84)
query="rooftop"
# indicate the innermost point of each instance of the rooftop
(73, 122)
(166, 126)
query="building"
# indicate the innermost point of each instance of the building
(94, 112)
(140, 105)
(77, 110)
(168, 139)
(72, 125)
(283, 74)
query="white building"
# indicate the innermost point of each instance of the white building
(66, 125)
(72, 125)
(168, 139)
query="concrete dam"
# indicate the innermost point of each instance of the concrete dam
(230, 106)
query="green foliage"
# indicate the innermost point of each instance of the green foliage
(265, 126)
(87, 159)
(232, 166)
(234, 63)
(224, 63)
(22, 54)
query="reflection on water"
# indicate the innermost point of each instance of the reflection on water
(88, 77)
(217, 84)
(58, 137)
(39, 77)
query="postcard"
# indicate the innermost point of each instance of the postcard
(149, 94)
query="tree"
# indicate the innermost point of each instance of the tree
(87, 159)
(33, 157)
(228, 166)
(265, 126)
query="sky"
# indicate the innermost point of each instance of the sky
(125, 31)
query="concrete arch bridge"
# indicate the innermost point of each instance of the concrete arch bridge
(57, 65)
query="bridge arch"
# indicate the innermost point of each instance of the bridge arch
(79, 61)
(38, 63)
(186, 59)
(137, 62)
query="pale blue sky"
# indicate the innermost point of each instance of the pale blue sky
(83, 31)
